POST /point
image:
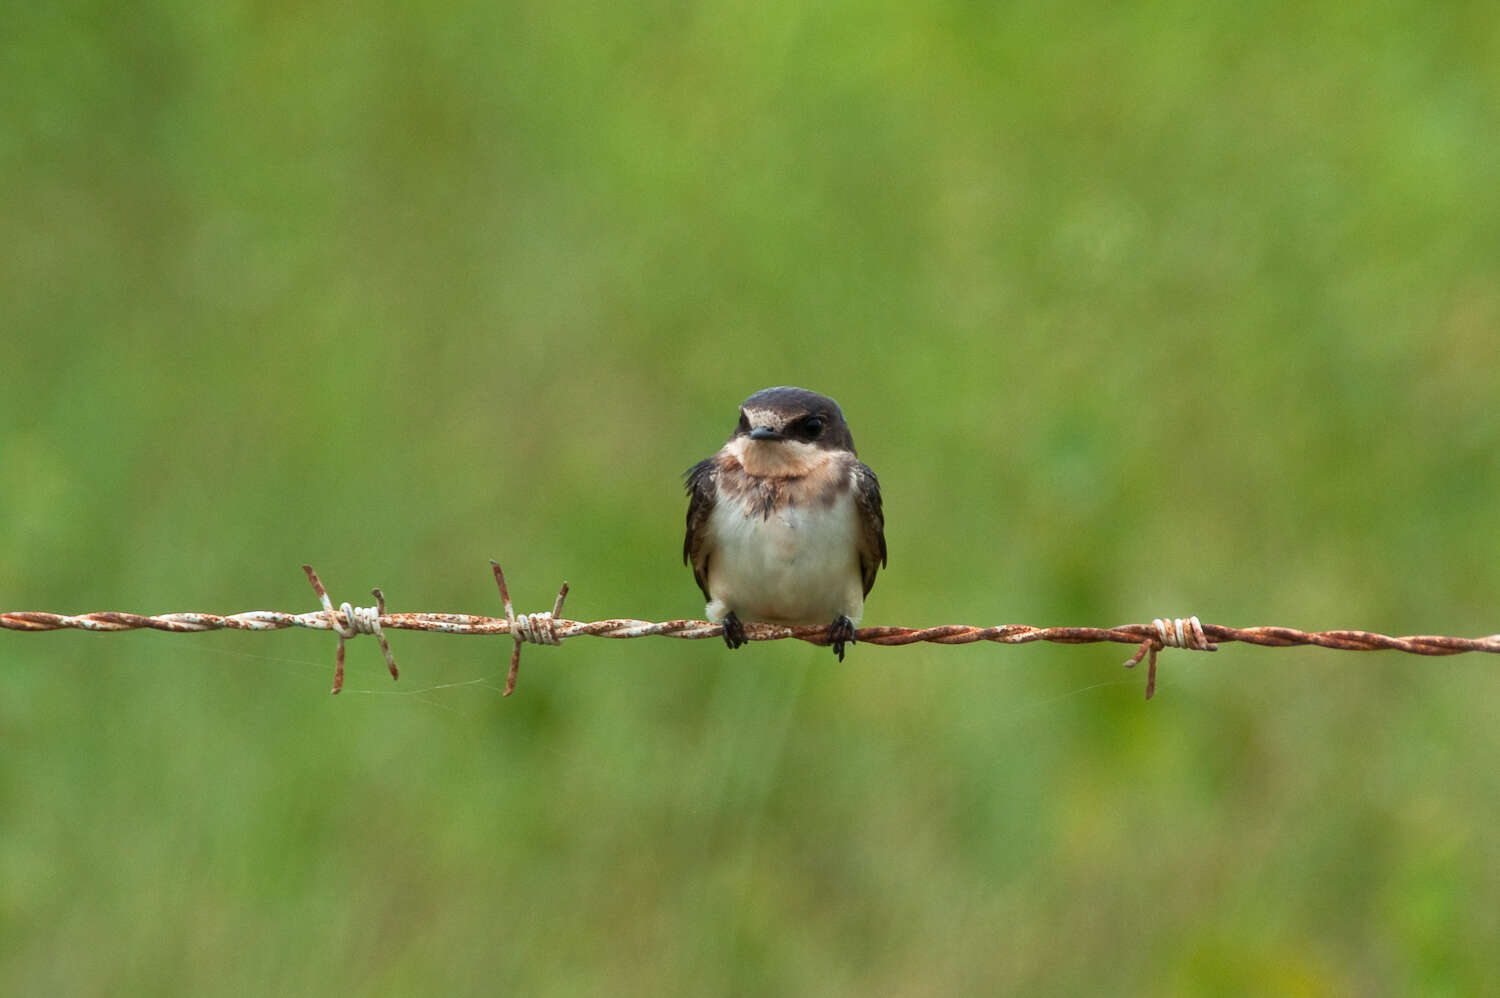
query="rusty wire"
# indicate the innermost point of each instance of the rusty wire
(550, 628)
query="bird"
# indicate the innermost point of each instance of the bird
(785, 524)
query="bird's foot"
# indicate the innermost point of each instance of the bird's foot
(841, 631)
(734, 631)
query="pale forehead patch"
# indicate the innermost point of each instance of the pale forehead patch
(775, 418)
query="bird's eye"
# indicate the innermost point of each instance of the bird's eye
(813, 426)
(744, 422)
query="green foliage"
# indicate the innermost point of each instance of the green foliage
(1136, 309)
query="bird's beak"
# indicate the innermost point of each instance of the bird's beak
(765, 433)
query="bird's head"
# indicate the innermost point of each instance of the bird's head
(788, 431)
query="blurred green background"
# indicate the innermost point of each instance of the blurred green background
(1137, 311)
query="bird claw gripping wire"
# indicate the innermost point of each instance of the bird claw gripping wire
(348, 621)
(538, 628)
(1176, 632)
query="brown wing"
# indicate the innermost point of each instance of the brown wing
(700, 488)
(871, 522)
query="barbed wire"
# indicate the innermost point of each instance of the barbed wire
(549, 627)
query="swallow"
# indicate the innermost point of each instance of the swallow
(784, 523)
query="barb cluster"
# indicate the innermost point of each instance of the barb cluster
(551, 628)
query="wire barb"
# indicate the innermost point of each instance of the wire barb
(552, 628)
(1176, 632)
(350, 621)
(538, 628)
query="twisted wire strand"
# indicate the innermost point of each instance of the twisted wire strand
(551, 628)
(945, 634)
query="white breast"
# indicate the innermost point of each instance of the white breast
(799, 566)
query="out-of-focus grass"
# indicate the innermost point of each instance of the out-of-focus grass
(1136, 310)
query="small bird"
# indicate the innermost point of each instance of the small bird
(784, 524)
